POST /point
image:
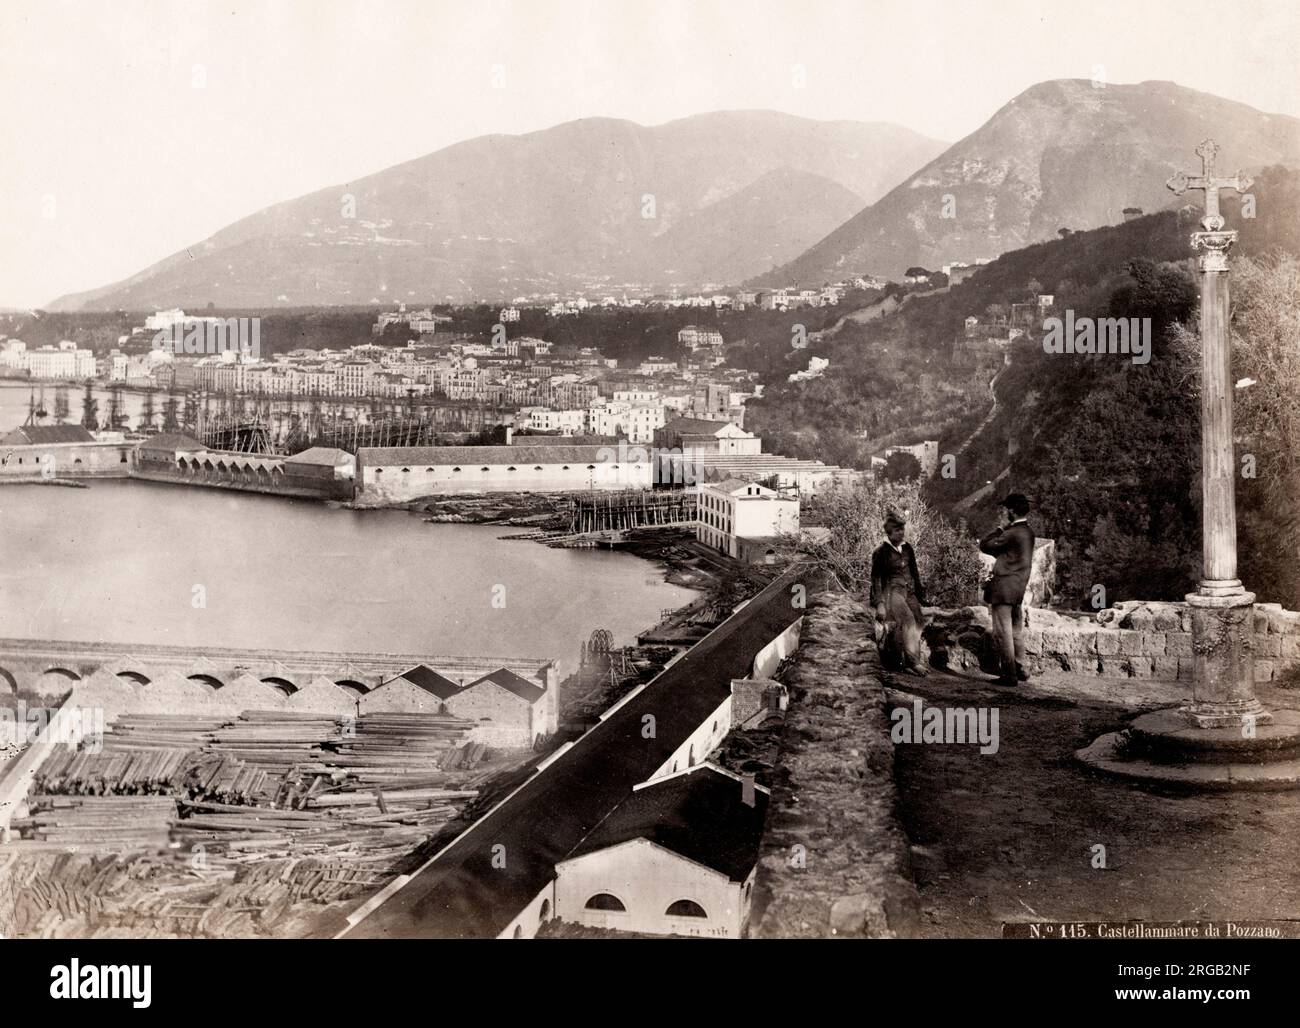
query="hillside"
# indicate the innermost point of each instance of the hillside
(1107, 450)
(561, 209)
(1062, 154)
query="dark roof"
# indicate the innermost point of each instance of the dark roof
(475, 456)
(328, 455)
(693, 426)
(460, 894)
(512, 682)
(39, 435)
(700, 814)
(430, 681)
(526, 439)
(171, 441)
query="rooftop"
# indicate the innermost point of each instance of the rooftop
(700, 814)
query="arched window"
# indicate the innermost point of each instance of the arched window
(591, 467)
(685, 908)
(429, 471)
(546, 910)
(512, 468)
(483, 469)
(604, 901)
(565, 468)
(406, 471)
(378, 471)
(455, 469)
(537, 467)
(519, 931)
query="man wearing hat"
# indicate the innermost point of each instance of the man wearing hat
(1013, 547)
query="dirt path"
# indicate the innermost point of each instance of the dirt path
(1009, 836)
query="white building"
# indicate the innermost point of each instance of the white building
(677, 857)
(744, 519)
(403, 473)
(694, 337)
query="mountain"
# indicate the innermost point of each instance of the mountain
(1062, 154)
(592, 205)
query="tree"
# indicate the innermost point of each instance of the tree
(901, 466)
(946, 556)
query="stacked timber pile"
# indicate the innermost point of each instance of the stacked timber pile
(122, 823)
(45, 895)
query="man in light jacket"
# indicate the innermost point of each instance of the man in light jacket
(1013, 547)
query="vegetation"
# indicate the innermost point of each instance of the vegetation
(854, 516)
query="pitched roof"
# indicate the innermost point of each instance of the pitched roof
(46, 434)
(512, 682)
(330, 455)
(700, 814)
(431, 681)
(520, 440)
(473, 456)
(171, 441)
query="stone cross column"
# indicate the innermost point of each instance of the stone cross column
(1221, 609)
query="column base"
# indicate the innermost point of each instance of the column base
(1223, 676)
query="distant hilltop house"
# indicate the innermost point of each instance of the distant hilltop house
(917, 275)
(508, 314)
(509, 711)
(1132, 213)
(959, 272)
(422, 321)
(926, 454)
(694, 337)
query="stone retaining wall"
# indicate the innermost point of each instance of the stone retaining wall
(833, 860)
(1134, 639)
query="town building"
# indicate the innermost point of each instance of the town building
(386, 474)
(743, 519)
(509, 710)
(677, 857)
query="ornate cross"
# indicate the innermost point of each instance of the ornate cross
(1180, 183)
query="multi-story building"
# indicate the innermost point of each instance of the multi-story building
(743, 519)
(695, 338)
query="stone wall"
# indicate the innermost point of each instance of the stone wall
(1133, 639)
(833, 861)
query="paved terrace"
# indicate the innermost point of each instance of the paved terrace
(460, 894)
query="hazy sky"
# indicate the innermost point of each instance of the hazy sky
(133, 129)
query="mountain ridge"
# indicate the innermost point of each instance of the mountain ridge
(1061, 154)
(558, 208)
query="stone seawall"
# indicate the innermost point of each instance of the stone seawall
(833, 861)
(1133, 639)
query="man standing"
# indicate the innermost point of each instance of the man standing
(1013, 546)
(897, 594)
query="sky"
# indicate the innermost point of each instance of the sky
(134, 128)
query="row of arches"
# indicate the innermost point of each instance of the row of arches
(9, 681)
(247, 467)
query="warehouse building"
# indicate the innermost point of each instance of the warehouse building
(406, 472)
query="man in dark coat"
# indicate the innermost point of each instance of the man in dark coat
(897, 594)
(1013, 547)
